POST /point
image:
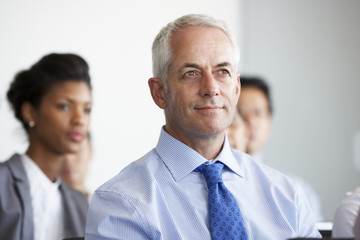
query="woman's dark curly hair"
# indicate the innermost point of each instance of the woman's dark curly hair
(31, 85)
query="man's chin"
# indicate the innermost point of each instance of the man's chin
(212, 131)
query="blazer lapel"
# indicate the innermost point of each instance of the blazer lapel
(23, 189)
(74, 223)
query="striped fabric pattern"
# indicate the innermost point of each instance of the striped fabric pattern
(160, 196)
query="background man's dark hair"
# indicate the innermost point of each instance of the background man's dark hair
(259, 83)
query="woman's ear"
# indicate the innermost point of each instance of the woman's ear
(157, 91)
(28, 113)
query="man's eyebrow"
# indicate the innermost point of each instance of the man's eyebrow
(197, 66)
(224, 64)
(191, 65)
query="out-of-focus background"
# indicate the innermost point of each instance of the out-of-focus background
(307, 50)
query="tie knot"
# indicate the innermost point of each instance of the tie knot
(212, 172)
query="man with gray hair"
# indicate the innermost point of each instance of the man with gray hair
(192, 185)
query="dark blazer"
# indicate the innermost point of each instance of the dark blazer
(16, 214)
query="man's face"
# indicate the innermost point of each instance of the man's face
(254, 109)
(203, 86)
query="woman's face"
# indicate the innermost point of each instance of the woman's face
(63, 117)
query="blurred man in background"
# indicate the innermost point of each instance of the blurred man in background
(251, 129)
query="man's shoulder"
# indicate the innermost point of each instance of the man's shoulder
(267, 176)
(251, 163)
(346, 214)
(351, 199)
(137, 174)
(353, 194)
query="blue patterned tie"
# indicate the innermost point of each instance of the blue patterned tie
(225, 217)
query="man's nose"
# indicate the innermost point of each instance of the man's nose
(209, 86)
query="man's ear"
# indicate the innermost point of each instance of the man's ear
(238, 84)
(157, 92)
(28, 113)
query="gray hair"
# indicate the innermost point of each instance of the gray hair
(161, 51)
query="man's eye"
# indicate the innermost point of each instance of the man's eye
(224, 71)
(190, 73)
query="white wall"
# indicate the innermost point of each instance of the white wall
(309, 51)
(115, 37)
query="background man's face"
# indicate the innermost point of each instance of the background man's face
(254, 109)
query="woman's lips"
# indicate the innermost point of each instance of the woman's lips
(76, 136)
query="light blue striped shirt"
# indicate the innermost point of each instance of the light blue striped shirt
(159, 196)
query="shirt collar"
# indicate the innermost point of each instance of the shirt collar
(181, 160)
(227, 157)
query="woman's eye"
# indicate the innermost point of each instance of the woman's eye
(87, 110)
(64, 107)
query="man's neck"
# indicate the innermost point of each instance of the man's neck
(207, 146)
(208, 149)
